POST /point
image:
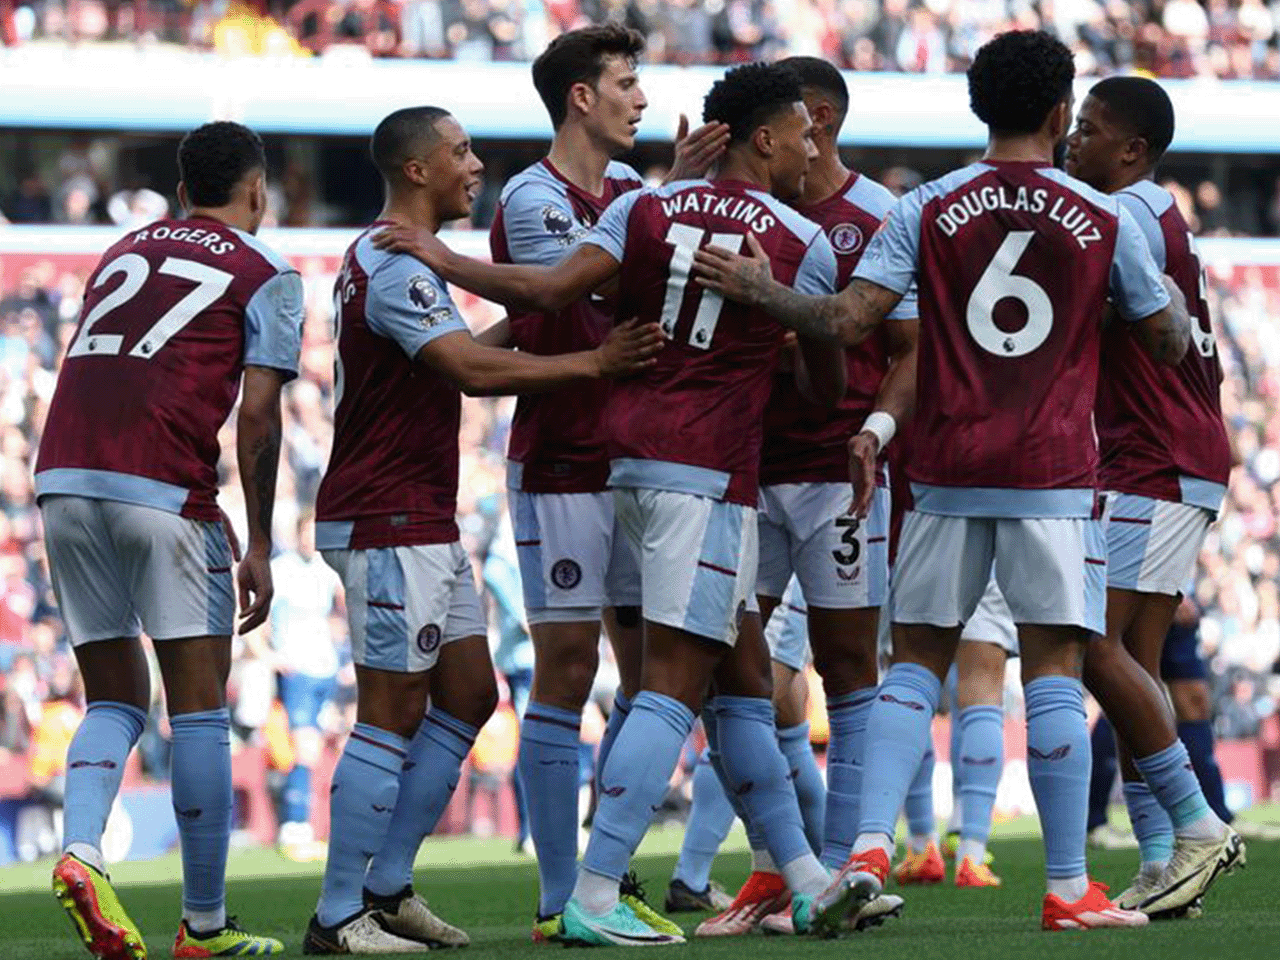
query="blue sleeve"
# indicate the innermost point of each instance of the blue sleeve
(893, 254)
(817, 273)
(1137, 287)
(539, 224)
(406, 302)
(610, 232)
(1149, 224)
(907, 308)
(273, 324)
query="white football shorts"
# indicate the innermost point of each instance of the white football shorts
(574, 561)
(121, 568)
(1152, 545)
(992, 622)
(787, 631)
(697, 559)
(405, 603)
(1052, 572)
(806, 530)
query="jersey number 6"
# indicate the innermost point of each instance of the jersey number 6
(998, 282)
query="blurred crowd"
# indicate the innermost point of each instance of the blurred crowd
(40, 698)
(1229, 39)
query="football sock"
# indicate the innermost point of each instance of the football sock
(1173, 781)
(617, 717)
(201, 787)
(1197, 736)
(811, 792)
(365, 786)
(711, 724)
(95, 766)
(847, 715)
(951, 692)
(1058, 767)
(634, 785)
(981, 763)
(427, 782)
(297, 794)
(710, 819)
(1102, 775)
(759, 777)
(898, 734)
(1151, 825)
(918, 804)
(549, 765)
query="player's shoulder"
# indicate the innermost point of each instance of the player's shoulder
(869, 196)
(385, 268)
(790, 219)
(534, 184)
(944, 186)
(262, 252)
(1147, 200)
(1103, 201)
(623, 174)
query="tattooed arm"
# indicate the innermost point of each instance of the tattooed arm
(258, 434)
(1166, 334)
(848, 316)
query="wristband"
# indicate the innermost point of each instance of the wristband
(882, 426)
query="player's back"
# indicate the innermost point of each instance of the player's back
(1160, 428)
(172, 314)
(702, 402)
(1015, 263)
(557, 436)
(393, 474)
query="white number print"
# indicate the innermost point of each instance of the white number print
(1203, 333)
(999, 282)
(210, 284)
(687, 239)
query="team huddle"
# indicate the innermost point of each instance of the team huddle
(766, 412)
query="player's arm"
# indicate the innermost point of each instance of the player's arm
(895, 403)
(1141, 292)
(258, 437)
(1166, 334)
(480, 370)
(517, 286)
(497, 334)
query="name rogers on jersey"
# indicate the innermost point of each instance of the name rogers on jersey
(735, 208)
(211, 240)
(1072, 217)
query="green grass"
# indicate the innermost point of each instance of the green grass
(480, 886)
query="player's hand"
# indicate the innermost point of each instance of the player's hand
(232, 540)
(696, 152)
(630, 346)
(732, 275)
(864, 448)
(420, 244)
(253, 577)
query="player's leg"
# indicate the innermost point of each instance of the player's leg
(988, 640)
(711, 817)
(564, 543)
(624, 624)
(464, 695)
(397, 621)
(1056, 614)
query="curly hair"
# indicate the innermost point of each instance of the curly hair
(401, 134)
(1017, 79)
(213, 158)
(1140, 106)
(578, 57)
(750, 95)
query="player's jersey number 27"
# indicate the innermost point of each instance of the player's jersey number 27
(999, 282)
(687, 239)
(210, 284)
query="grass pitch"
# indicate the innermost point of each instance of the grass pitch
(482, 887)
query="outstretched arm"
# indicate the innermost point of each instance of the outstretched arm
(519, 287)
(848, 316)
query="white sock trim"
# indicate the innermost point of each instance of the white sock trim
(872, 841)
(1069, 889)
(89, 854)
(761, 862)
(205, 921)
(806, 876)
(595, 893)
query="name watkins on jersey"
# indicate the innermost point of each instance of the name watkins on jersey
(1071, 217)
(735, 208)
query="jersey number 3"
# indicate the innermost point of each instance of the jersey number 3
(210, 284)
(999, 282)
(687, 239)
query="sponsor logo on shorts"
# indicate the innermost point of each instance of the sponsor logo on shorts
(846, 237)
(848, 576)
(429, 638)
(1057, 753)
(566, 574)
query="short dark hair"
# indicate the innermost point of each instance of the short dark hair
(1017, 79)
(1142, 107)
(213, 158)
(577, 56)
(822, 76)
(750, 95)
(402, 134)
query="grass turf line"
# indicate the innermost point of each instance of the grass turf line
(493, 897)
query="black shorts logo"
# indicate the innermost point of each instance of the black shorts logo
(429, 638)
(566, 574)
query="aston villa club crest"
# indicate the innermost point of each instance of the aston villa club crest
(846, 238)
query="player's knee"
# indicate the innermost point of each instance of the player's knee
(477, 705)
(1190, 700)
(846, 670)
